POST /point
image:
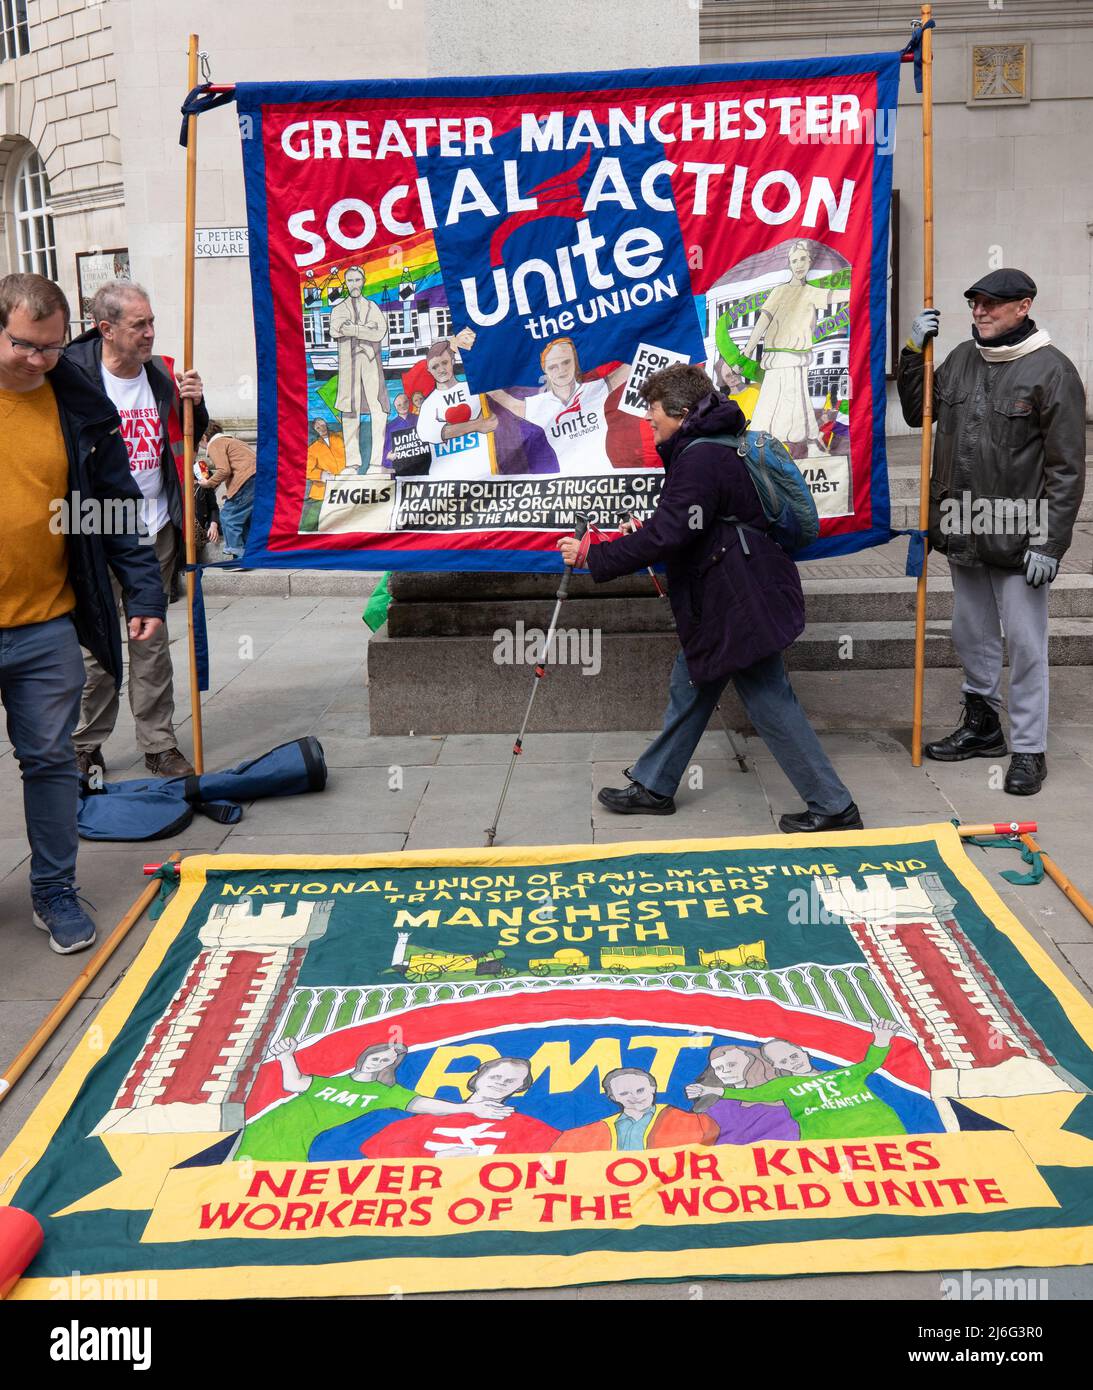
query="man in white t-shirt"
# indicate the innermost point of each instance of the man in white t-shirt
(117, 354)
(450, 420)
(569, 411)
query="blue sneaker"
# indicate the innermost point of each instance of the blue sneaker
(58, 911)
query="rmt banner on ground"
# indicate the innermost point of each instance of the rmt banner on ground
(461, 284)
(462, 1069)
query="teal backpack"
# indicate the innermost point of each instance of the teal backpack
(785, 496)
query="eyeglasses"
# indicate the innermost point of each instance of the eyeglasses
(25, 349)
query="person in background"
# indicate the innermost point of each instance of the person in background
(1010, 411)
(116, 356)
(233, 464)
(60, 451)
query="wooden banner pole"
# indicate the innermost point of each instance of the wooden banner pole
(1022, 830)
(60, 1010)
(188, 409)
(927, 375)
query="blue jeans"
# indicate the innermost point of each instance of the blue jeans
(235, 518)
(779, 720)
(41, 678)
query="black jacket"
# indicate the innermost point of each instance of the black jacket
(1005, 431)
(86, 352)
(98, 467)
(733, 606)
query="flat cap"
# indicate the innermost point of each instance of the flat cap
(1004, 284)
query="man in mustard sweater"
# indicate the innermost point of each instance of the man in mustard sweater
(70, 509)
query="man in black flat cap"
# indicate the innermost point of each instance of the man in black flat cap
(1007, 481)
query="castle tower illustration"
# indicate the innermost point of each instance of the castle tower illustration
(194, 1071)
(976, 1040)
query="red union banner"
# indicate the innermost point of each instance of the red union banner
(460, 286)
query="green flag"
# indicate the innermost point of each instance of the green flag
(375, 610)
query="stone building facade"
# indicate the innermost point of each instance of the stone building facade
(90, 93)
(60, 141)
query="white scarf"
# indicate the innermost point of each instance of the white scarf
(1039, 339)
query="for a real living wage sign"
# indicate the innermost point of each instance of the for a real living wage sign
(461, 285)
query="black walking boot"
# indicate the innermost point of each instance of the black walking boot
(980, 735)
(1027, 774)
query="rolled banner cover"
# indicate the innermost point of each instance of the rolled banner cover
(20, 1240)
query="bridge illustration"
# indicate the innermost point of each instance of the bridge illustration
(851, 993)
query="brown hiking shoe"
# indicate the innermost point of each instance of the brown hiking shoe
(170, 763)
(88, 759)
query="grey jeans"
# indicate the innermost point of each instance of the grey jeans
(773, 708)
(151, 679)
(988, 602)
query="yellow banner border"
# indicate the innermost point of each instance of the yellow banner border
(431, 1274)
(979, 1250)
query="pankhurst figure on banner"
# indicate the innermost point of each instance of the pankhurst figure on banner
(786, 325)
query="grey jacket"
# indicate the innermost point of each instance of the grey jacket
(1005, 430)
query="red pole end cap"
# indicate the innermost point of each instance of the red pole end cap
(21, 1238)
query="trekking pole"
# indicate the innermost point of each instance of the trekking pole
(662, 593)
(579, 529)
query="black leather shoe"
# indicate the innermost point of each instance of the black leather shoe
(1027, 774)
(808, 822)
(634, 800)
(979, 736)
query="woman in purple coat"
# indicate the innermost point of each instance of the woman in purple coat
(736, 599)
(740, 1121)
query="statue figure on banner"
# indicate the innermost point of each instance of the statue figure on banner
(359, 329)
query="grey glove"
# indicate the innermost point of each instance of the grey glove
(924, 325)
(1040, 569)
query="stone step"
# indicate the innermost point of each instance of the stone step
(471, 608)
(891, 645)
(627, 682)
(903, 478)
(288, 583)
(844, 602)
(905, 511)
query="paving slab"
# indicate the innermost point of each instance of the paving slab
(13, 851)
(397, 750)
(356, 799)
(822, 1288)
(18, 1021)
(456, 810)
(470, 749)
(296, 843)
(1080, 956)
(31, 970)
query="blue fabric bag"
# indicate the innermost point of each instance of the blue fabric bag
(152, 808)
